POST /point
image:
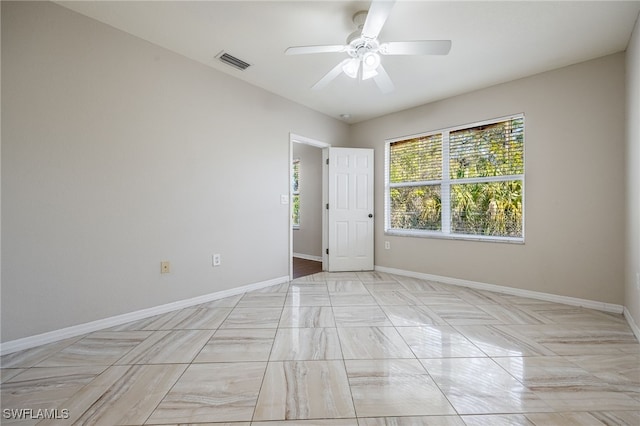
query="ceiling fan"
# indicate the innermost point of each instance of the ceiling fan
(364, 49)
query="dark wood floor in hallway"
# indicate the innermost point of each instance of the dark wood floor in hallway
(304, 267)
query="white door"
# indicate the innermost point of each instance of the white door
(350, 218)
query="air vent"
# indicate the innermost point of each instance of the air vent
(233, 61)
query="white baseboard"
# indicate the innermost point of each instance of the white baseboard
(574, 301)
(308, 257)
(632, 323)
(80, 329)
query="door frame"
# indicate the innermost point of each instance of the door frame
(295, 138)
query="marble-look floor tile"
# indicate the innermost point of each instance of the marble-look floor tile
(421, 286)
(374, 276)
(307, 299)
(197, 319)
(438, 342)
(206, 424)
(412, 316)
(33, 356)
(577, 315)
(412, 421)
(307, 316)
(477, 297)
(619, 418)
(621, 369)
(146, 324)
(122, 395)
(99, 348)
(234, 345)
(398, 387)
(252, 318)
(360, 316)
(549, 374)
(222, 391)
(333, 422)
(497, 420)
(502, 341)
(565, 419)
(581, 339)
(8, 373)
(346, 287)
(352, 299)
(306, 344)
(304, 390)
(262, 300)
(437, 298)
(316, 287)
(373, 343)
(495, 358)
(384, 286)
(510, 314)
(588, 400)
(480, 386)
(567, 386)
(336, 276)
(45, 388)
(168, 347)
(463, 314)
(395, 297)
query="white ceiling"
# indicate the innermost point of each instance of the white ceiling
(493, 42)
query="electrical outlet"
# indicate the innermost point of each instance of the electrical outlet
(165, 267)
(216, 260)
(387, 245)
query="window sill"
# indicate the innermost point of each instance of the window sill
(441, 236)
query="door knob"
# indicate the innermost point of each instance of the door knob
(370, 215)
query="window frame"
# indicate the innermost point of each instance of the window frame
(445, 186)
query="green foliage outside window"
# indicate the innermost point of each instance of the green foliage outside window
(295, 191)
(416, 207)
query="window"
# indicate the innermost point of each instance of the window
(295, 193)
(463, 182)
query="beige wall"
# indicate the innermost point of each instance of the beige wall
(307, 240)
(632, 288)
(575, 182)
(117, 154)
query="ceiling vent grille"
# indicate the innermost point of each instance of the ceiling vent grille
(233, 61)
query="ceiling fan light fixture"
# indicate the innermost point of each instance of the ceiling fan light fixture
(351, 68)
(371, 60)
(370, 63)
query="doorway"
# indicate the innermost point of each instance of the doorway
(346, 207)
(307, 199)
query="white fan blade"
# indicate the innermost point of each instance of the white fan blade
(322, 83)
(383, 81)
(423, 47)
(303, 50)
(376, 17)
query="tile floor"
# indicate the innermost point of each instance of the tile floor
(341, 349)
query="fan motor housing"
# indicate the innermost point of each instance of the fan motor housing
(361, 46)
